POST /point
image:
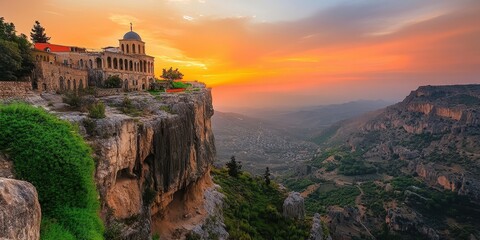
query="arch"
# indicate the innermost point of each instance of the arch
(80, 84)
(131, 65)
(90, 63)
(133, 48)
(115, 63)
(74, 84)
(126, 64)
(69, 85)
(125, 85)
(141, 66)
(128, 48)
(123, 48)
(144, 66)
(62, 84)
(143, 86)
(109, 62)
(81, 63)
(121, 64)
(99, 62)
(135, 66)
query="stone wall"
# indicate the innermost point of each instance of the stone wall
(14, 89)
(53, 77)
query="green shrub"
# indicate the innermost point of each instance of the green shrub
(49, 153)
(181, 85)
(253, 209)
(128, 108)
(73, 99)
(113, 82)
(97, 110)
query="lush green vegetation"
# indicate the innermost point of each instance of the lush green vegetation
(350, 166)
(49, 153)
(347, 163)
(253, 209)
(373, 198)
(300, 184)
(318, 201)
(16, 61)
(171, 74)
(181, 85)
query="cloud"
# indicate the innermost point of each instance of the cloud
(123, 19)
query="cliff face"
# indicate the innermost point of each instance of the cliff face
(153, 162)
(435, 131)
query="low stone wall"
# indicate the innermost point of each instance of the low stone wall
(102, 92)
(14, 89)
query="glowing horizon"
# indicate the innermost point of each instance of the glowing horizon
(280, 53)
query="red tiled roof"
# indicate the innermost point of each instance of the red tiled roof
(52, 47)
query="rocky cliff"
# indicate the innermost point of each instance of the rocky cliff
(153, 155)
(433, 137)
(151, 164)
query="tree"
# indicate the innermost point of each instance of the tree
(16, 60)
(38, 34)
(10, 60)
(234, 167)
(266, 175)
(171, 75)
(113, 82)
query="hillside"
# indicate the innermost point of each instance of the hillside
(412, 168)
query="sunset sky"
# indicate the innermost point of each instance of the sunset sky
(280, 53)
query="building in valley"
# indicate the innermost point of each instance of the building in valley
(67, 68)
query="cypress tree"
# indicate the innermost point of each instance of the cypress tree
(38, 34)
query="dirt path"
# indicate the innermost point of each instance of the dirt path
(361, 209)
(310, 189)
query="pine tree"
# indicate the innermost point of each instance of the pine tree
(267, 176)
(234, 167)
(38, 34)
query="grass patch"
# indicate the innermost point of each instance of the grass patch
(176, 85)
(253, 209)
(97, 110)
(50, 154)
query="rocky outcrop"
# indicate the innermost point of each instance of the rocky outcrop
(409, 221)
(146, 162)
(213, 227)
(461, 183)
(316, 232)
(20, 213)
(294, 206)
(344, 223)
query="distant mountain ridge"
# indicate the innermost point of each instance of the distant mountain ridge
(426, 148)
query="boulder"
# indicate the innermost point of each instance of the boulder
(294, 206)
(20, 213)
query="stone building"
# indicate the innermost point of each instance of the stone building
(67, 68)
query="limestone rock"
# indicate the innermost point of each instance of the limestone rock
(316, 232)
(20, 213)
(214, 223)
(407, 220)
(294, 206)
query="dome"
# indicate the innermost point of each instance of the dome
(132, 36)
